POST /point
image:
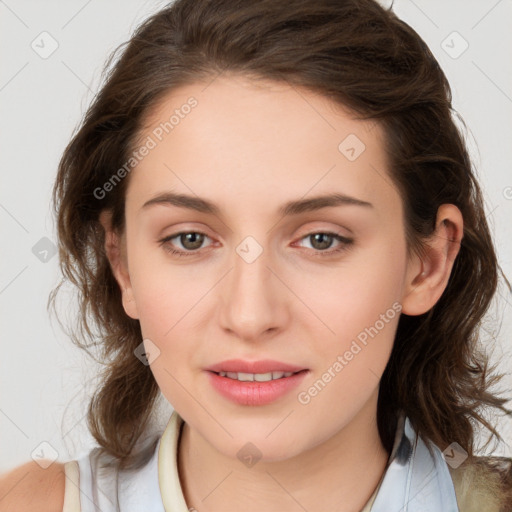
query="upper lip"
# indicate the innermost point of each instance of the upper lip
(263, 366)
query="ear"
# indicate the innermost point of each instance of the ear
(427, 275)
(115, 249)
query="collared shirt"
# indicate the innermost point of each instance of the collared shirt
(416, 479)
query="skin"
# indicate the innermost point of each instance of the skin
(249, 148)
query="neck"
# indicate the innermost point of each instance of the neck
(339, 474)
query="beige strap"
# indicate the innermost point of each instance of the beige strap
(475, 491)
(72, 488)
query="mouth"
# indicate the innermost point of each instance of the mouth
(255, 389)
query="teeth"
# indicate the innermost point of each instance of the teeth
(258, 377)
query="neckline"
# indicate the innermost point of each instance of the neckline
(169, 482)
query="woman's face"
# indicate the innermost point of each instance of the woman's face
(263, 275)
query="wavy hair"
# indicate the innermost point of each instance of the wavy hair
(361, 56)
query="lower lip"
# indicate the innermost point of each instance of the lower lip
(255, 393)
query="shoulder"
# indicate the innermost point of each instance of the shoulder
(485, 483)
(29, 487)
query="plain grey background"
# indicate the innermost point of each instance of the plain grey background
(45, 382)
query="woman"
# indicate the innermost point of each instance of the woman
(272, 218)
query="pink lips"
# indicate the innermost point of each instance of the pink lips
(254, 392)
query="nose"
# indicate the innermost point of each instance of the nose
(253, 298)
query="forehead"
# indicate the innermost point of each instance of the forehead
(234, 139)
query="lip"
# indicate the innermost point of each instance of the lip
(253, 392)
(262, 366)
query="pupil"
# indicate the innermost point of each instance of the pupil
(195, 238)
(323, 245)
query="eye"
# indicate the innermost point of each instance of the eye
(191, 241)
(323, 240)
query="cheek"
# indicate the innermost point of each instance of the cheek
(167, 306)
(354, 296)
(350, 358)
(165, 292)
(170, 301)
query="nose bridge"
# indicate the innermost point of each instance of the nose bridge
(251, 300)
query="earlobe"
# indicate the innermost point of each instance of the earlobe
(116, 254)
(428, 274)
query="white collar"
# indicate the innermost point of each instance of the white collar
(416, 479)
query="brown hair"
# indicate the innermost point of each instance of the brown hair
(361, 56)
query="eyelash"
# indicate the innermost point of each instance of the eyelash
(346, 243)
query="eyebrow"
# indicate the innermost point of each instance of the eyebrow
(290, 208)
